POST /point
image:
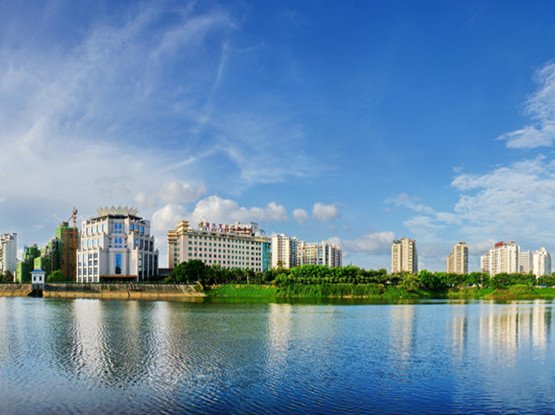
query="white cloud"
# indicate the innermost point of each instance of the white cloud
(177, 192)
(373, 243)
(300, 215)
(510, 202)
(101, 118)
(167, 218)
(541, 106)
(217, 209)
(325, 213)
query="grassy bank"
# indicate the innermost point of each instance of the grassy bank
(315, 291)
(516, 292)
(375, 292)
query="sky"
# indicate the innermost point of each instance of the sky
(356, 122)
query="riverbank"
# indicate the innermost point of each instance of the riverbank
(106, 291)
(374, 292)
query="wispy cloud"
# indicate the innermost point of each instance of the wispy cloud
(541, 107)
(509, 202)
(127, 110)
(378, 243)
(428, 223)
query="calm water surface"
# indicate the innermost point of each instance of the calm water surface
(93, 356)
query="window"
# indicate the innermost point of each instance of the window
(118, 264)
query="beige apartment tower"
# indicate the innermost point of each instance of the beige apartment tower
(404, 257)
(457, 261)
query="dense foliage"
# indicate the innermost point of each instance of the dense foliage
(345, 278)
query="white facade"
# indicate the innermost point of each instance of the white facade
(502, 258)
(8, 253)
(38, 276)
(284, 251)
(319, 253)
(541, 262)
(457, 261)
(229, 246)
(526, 262)
(404, 257)
(116, 244)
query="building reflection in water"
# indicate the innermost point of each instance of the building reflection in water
(459, 330)
(280, 322)
(504, 329)
(402, 334)
(88, 352)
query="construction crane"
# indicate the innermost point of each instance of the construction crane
(73, 218)
(74, 232)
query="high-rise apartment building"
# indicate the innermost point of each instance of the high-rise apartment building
(541, 262)
(457, 261)
(116, 244)
(284, 251)
(319, 253)
(502, 258)
(230, 246)
(404, 257)
(289, 252)
(8, 253)
(525, 262)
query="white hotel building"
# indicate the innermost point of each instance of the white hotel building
(230, 246)
(116, 244)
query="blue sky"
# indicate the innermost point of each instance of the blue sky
(358, 122)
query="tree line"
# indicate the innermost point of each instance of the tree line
(197, 271)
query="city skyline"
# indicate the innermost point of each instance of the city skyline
(355, 124)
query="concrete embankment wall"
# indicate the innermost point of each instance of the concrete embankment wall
(15, 290)
(122, 291)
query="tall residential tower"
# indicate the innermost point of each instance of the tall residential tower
(457, 261)
(404, 257)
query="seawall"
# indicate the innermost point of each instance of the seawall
(15, 290)
(108, 291)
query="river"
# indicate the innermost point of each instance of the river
(98, 356)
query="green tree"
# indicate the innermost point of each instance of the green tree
(410, 282)
(6, 277)
(548, 280)
(192, 270)
(56, 276)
